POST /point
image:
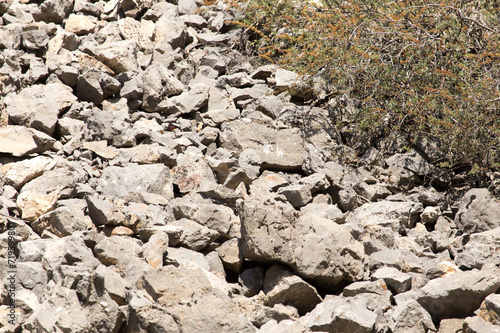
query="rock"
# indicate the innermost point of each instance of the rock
(409, 317)
(270, 148)
(22, 106)
(204, 308)
(298, 195)
(284, 326)
(251, 279)
(282, 286)
(158, 84)
(478, 325)
(361, 287)
(194, 235)
(478, 211)
(33, 205)
(490, 309)
(231, 255)
(451, 325)
(121, 181)
(100, 148)
(337, 314)
(113, 249)
(459, 294)
(168, 31)
(18, 174)
(79, 24)
(398, 281)
(35, 39)
(63, 221)
(120, 56)
(113, 283)
(430, 214)
(56, 10)
(105, 212)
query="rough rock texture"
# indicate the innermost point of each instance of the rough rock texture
(151, 180)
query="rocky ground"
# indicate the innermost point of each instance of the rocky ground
(152, 180)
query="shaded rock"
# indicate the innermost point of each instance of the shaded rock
(56, 10)
(251, 279)
(282, 286)
(490, 309)
(479, 249)
(478, 325)
(362, 287)
(478, 211)
(168, 31)
(231, 255)
(398, 281)
(409, 317)
(459, 294)
(298, 195)
(100, 148)
(120, 56)
(337, 314)
(155, 249)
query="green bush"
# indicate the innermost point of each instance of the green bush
(421, 68)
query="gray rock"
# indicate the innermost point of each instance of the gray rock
(68, 75)
(63, 221)
(298, 195)
(47, 100)
(478, 325)
(121, 181)
(194, 235)
(113, 249)
(284, 326)
(270, 148)
(56, 10)
(187, 102)
(378, 287)
(398, 281)
(120, 56)
(282, 286)
(35, 39)
(105, 212)
(116, 286)
(231, 255)
(168, 31)
(325, 210)
(409, 317)
(156, 247)
(159, 83)
(459, 294)
(251, 279)
(337, 314)
(391, 214)
(215, 117)
(478, 211)
(372, 192)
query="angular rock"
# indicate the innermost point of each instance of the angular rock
(33, 205)
(398, 281)
(159, 83)
(251, 279)
(18, 174)
(121, 181)
(79, 24)
(105, 212)
(298, 195)
(271, 148)
(478, 325)
(120, 56)
(47, 100)
(168, 31)
(194, 235)
(231, 255)
(282, 286)
(341, 315)
(478, 211)
(490, 309)
(459, 294)
(63, 221)
(409, 317)
(113, 249)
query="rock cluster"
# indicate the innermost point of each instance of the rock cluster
(152, 180)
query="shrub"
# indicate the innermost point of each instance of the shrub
(417, 67)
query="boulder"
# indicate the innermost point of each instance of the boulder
(478, 211)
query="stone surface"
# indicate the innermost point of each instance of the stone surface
(478, 211)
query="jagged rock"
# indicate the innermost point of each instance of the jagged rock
(105, 212)
(459, 294)
(18, 174)
(79, 24)
(337, 314)
(33, 205)
(479, 249)
(63, 221)
(298, 195)
(409, 317)
(478, 325)
(168, 31)
(282, 286)
(159, 83)
(360, 287)
(100, 148)
(231, 255)
(35, 39)
(398, 281)
(113, 283)
(47, 100)
(490, 309)
(478, 211)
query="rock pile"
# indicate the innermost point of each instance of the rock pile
(153, 181)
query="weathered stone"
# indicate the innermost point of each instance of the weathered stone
(398, 281)
(337, 314)
(56, 10)
(282, 286)
(63, 221)
(409, 317)
(120, 56)
(100, 148)
(79, 24)
(298, 195)
(459, 294)
(251, 279)
(35, 39)
(113, 249)
(47, 100)
(361, 287)
(478, 211)
(159, 83)
(272, 148)
(478, 325)
(490, 309)
(33, 204)
(121, 181)
(194, 235)
(172, 32)
(18, 174)
(231, 255)
(104, 212)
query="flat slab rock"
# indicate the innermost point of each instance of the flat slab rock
(265, 146)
